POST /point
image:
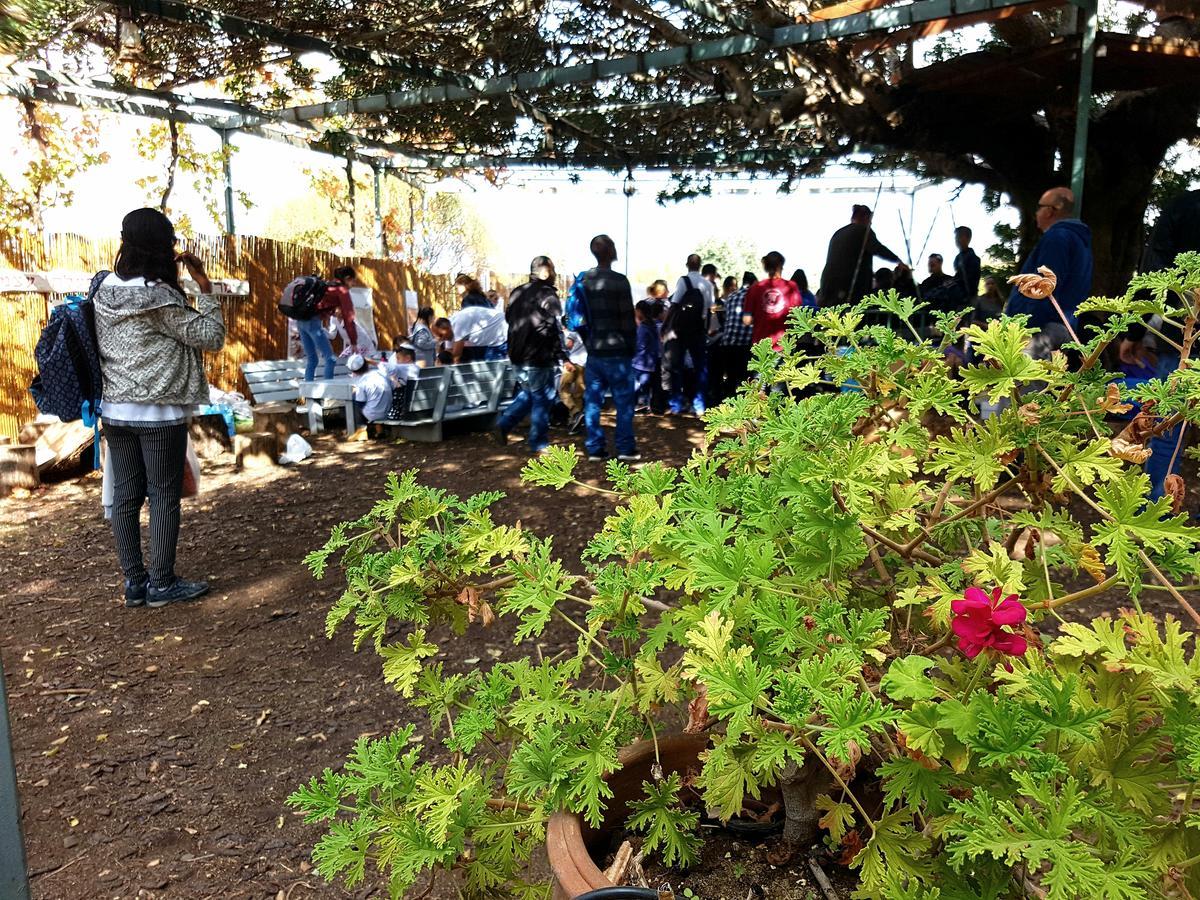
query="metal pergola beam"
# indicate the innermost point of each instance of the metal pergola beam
(186, 13)
(714, 160)
(649, 63)
(225, 117)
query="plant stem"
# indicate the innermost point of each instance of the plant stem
(1071, 331)
(838, 778)
(582, 631)
(503, 803)
(979, 668)
(987, 498)
(1162, 579)
(1078, 595)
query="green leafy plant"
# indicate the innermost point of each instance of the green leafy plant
(857, 592)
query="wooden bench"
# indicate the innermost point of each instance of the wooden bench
(468, 391)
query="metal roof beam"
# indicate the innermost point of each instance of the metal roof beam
(137, 106)
(738, 159)
(649, 63)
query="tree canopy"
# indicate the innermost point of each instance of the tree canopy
(770, 87)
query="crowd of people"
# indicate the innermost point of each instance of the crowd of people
(675, 350)
(671, 352)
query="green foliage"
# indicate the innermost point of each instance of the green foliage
(669, 829)
(789, 593)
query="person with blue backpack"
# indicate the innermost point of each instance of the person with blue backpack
(611, 339)
(151, 345)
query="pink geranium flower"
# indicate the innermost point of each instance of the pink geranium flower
(980, 622)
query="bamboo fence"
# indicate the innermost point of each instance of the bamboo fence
(255, 329)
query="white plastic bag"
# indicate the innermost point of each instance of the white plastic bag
(296, 449)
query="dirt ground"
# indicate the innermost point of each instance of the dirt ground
(155, 747)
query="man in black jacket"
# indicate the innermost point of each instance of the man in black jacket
(846, 277)
(611, 341)
(535, 345)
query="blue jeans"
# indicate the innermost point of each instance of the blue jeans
(675, 355)
(535, 399)
(1163, 445)
(642, 386)
(314, 340)
(609, 373)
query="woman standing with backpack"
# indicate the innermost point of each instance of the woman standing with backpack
(151, 343)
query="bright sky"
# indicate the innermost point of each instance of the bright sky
(541, 211)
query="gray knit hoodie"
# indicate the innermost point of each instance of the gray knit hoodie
(152, 342)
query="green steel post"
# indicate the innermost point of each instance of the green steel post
(380, 237)
(227, 169)
(14, 880)
(1083, 107)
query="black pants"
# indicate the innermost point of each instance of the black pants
(147, 462)
(734, 363)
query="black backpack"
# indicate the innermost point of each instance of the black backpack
(686, 318)
(301, 297)
(69, 383)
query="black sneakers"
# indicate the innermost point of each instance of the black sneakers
(499, 436)
(177, 591)
(135, 593)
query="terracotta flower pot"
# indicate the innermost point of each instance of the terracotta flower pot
(571, 842)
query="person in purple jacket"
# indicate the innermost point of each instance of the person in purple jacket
(648, 355)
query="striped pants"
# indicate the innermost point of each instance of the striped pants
(147, 462)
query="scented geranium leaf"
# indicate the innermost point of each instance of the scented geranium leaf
(554, 468)
(913, 785)
(1136, 520)
(320, 799)
(727, 777)
(919, 726)
(656, 685)
(853, 716)
(736, 687)
(540, 584)
(895, 849)
(1042, 832)
(402, 662)
(446, 798)
(589, 766)
(773, 752)
(993, 568)
(1052, 700)
(1003, 344)
(1165, 657)
(728, 571)
(1084, 465)
(670, 830)
(933, 390)
(709, 643)
(906, 679)
(837, 817)
(1105, 637)
(343, 850)
(1006, 732)
(973, 454)
(1182, 725)
(538, 767)
(1132, 769)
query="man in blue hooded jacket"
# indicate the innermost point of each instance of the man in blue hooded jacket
(1066, 249)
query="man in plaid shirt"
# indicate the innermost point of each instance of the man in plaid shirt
(735, 340)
